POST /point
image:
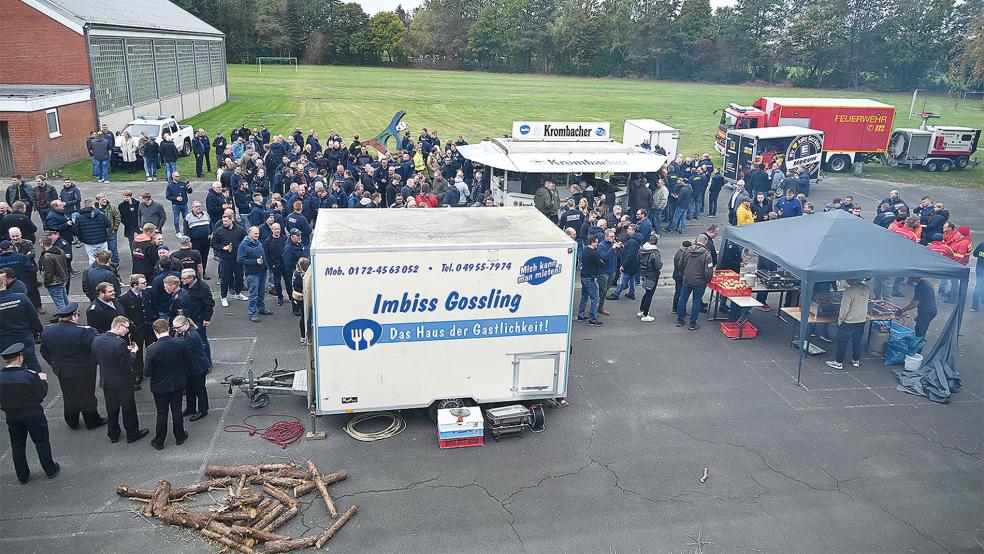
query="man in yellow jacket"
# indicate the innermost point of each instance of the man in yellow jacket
(744, 212)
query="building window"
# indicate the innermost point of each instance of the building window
(54, 131)
(167, 68)
(201, 63)
(217, 56)
(109, 74)
(140, 67)
(186, 66)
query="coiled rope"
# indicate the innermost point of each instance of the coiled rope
(283, 433)
(395, 427)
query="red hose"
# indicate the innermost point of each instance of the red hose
(282, 433)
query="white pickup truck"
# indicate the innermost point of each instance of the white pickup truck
(156, 127)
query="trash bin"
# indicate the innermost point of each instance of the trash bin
(858, 168)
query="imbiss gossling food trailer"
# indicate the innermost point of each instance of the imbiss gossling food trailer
(564, 152)
(439, 307)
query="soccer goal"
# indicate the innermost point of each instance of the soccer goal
(274, 60)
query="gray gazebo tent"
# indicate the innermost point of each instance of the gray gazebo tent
(835, 246)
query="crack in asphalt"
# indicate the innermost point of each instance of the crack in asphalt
(501, 503)
(637, 493)
(910, 526)
(764, 460)
(975, 455)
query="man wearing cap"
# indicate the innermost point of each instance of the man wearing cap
(21, 392)
(67, 347)
(188, 257)
(200, 305)
(168, 363)
(115, 357)
(177, 193)
(104, 308)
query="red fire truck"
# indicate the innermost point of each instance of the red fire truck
(855, 130)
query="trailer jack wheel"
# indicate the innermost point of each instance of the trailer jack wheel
(260, 401)
(447, 403)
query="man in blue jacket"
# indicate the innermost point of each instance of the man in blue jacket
(789, 205)
(252, 257)
(201, 147)
(177, 193)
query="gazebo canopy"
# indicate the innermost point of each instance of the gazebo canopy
(836, 245)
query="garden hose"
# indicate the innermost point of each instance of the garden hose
(396, 426)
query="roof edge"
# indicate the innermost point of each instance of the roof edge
(58, 14)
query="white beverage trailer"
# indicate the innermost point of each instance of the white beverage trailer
(662, 138)
(438, 308)
(564, 152)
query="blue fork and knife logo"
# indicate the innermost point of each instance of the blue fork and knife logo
(360, 334)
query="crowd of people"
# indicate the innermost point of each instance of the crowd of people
(256, 221)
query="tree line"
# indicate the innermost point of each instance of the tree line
(881, 44)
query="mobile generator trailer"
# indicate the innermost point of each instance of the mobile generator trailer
(438, 308)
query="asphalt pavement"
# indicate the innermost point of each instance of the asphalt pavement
(843, 463)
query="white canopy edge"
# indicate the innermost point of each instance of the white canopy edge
(552, 160)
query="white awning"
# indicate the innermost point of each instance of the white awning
(558, 157)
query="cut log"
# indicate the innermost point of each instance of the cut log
(148, 510)
(284, 518)
(241, 500)
(174, 515)
(257, 533)
(329, 479)
(161, 501)
(316, 476)
(231, 471)
(204, 486)
(270, 515)
(276, 467)
(330, 532)
(286, 482)
(288, 545)
(233, 516)
(132, 492)
(226, 541)
(279, 495)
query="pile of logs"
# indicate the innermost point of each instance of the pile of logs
(243, 518)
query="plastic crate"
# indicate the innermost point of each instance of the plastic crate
(896, 331)
(740, 291)
(460, 434)
(731, 330)
(461, 443)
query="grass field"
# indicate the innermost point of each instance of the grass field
(358, 100)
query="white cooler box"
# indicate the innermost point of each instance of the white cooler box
(470, 425)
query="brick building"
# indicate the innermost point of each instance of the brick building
(69, 66)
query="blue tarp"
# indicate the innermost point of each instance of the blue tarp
(835, 246)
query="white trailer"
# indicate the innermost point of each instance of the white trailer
(659, 135)
(440, 307)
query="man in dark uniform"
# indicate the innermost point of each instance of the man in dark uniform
(103, 308)
(19, 322)
(168, 362)
(115, 358)
(180, 300)
(21, 393)
(201, 305)
(140, 311)
(67, 347)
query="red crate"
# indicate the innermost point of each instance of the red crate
(462, 442)
(730, 330)
(740, 291)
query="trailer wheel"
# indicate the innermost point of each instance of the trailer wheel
(839, 164)
(931, 166)
(260, 401)
(961, 162)
(945, 165)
